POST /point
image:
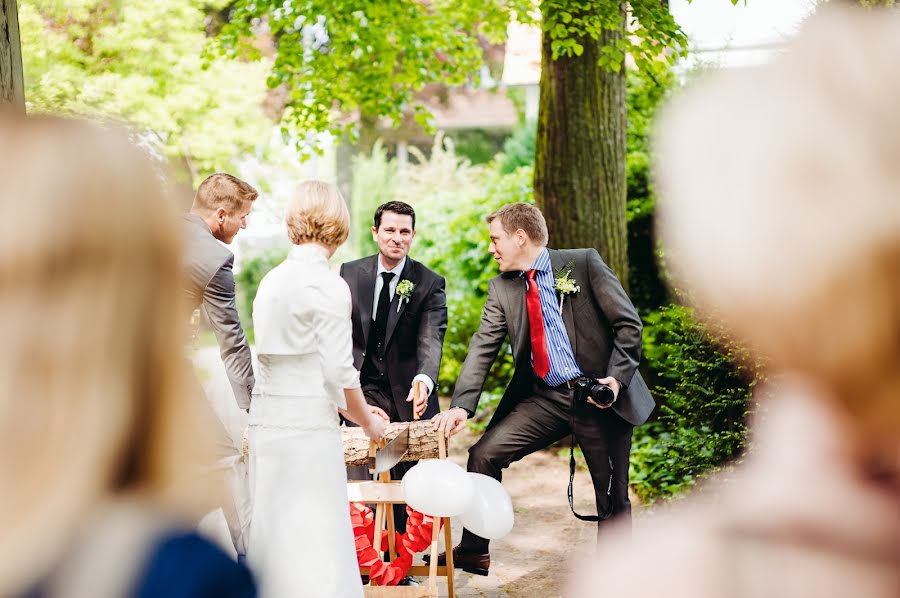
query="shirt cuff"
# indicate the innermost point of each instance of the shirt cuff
(428, 382)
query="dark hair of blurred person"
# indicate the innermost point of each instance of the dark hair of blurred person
(780, 214)
(99, 438)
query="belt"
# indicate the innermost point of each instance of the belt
(571, 384)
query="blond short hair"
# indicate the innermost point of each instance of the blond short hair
(95, 395)
(780, 207)
(317, 213)
(515, 216)
(222, 190)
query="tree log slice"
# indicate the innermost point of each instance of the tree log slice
(423, 442)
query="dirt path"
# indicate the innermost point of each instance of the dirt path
(532, 561)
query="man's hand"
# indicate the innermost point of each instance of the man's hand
(418, 396)
(379, 412)
(614, 385)
(450, 422)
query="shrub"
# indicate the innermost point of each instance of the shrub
(374, 183)
(247, 281)
(703, 386)
(518, 150)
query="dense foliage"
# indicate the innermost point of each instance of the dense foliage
(703, 386)
(140, 62)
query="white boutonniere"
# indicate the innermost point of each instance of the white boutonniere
(564, 284)
(405, 290)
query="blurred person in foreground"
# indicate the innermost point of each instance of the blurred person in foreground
(301, 541)
(781, 216)
(101, 434)
(218, 213)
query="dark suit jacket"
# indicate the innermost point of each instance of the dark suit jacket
(602, 325)
(415, 335)
(210, 286)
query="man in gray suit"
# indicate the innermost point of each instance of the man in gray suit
(571, 326)
(219, 211)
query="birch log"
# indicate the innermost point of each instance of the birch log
(423, 442)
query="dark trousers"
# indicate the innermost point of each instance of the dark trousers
(543, 418)
(380, 397)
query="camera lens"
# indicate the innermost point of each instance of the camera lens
(603, 395)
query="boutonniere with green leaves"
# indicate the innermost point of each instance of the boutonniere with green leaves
(405, 290)
(564, 284)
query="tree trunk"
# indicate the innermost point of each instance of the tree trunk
(579, 171)
(12, 85)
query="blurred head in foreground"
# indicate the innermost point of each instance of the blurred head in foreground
(780, 214)
(781, 210)
(92, 361)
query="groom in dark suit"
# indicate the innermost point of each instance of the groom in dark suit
(399, 319)
(569, 323)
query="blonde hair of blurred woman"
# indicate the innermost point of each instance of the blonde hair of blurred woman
(781, 210)
(317, 213)
(95, 399)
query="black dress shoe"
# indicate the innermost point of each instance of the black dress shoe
(408, 581)
(470, 562)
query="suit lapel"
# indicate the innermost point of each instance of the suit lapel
(394, 312)
(365, 290)
(557, 262)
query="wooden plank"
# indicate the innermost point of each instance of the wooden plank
(432, 565)
(415, 570)
(397, 592)
(373, 491)
(12, 83)
(448, 551)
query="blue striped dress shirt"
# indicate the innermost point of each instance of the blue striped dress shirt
(563, 366)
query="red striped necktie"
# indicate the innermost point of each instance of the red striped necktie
(539, 356)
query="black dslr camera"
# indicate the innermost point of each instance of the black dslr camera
(601, 394)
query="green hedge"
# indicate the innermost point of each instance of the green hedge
(248, 279)
(703, 387)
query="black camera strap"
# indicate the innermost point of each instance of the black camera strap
(571, 492)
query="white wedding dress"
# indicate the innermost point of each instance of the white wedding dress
(301, 541)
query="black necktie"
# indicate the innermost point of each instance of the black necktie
(384, 301)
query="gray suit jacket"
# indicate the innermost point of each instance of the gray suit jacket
(415, 332)
(210, 286)
(602, 325)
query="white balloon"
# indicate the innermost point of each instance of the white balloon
(438, 487)
(491, 514)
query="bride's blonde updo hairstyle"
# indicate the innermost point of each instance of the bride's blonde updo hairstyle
(317, 213)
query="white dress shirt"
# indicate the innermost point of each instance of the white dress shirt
(379, 281)
(392, 287)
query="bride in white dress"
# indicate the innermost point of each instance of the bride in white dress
(301, 541)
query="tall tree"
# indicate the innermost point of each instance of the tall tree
(11, 82)
(579, 174)
(140, 62)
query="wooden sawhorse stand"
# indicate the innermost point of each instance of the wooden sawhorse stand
(384, 493)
